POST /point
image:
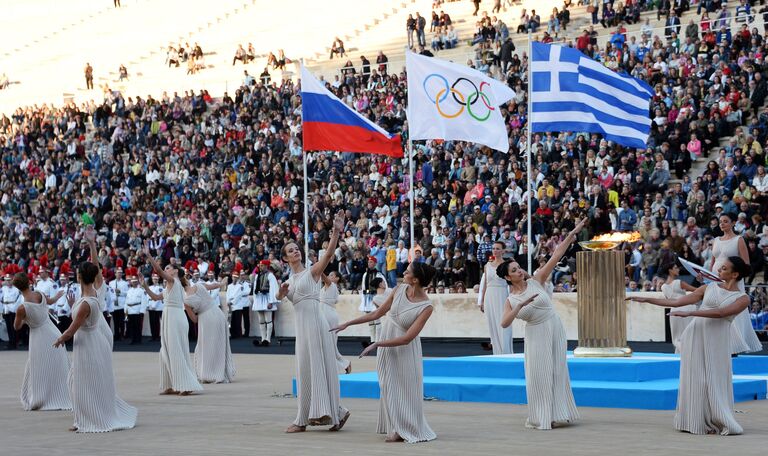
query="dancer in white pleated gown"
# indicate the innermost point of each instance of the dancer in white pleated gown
(329, 297)
(547, 381)
(95, 404)
(743, 337)
(399, 361)
(45, 376)
(493, 297)
(705, 398)
(674, 288)
(177, 376)
(317, 381)
(99, 285)
(213, 357)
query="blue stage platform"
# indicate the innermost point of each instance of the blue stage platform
(644, 381)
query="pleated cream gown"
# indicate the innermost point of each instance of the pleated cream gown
(495, 297)
(705, 398)
(317, 380)
(45, 376)
(95, 404)
(677, 325)
(743, 337)
(401, 376)
(547, 381)
(329, 297)
(176, 370)
(213, 357)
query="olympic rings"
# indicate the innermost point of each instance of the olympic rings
(454, 92)
(459, 98)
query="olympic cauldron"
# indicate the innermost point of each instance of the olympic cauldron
(601, 297)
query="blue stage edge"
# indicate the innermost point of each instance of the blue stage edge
(644, 381)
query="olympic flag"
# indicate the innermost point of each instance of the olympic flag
(455, 102)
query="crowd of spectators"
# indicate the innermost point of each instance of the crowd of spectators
(219, 181)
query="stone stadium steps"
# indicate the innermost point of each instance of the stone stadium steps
(390, 36)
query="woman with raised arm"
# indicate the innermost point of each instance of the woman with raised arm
(547, 382)
(99, 284)
(317, 383)
(176, 373)
(399, 362)
(95, 404)
(673, 288)
(45, 376)
(705, 398)
(329, 296)
(213, 356)
(493, 298)
(743, 337)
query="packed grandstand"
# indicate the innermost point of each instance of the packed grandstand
(211, 173)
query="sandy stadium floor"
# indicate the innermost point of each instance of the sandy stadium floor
(248, 418)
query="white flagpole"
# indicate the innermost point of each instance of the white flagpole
(528, 151)
(306, 211)
(413, 193)
(410, 172)
(306, 193)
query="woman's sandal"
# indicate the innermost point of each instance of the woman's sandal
(292, 429)
(394, 437)
(342, 422)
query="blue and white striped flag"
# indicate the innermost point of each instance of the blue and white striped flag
(571, 92)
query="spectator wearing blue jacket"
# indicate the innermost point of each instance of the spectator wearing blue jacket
(627, 217)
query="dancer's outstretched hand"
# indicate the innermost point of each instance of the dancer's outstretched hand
(579, 225)
(338, 222)
(339, 328)
(369, 349)
(679, 313)
(637, 299)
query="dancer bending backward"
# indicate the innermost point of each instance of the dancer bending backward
(493, 299)
(176, 373)
(399, 362)
(317, 381)
(329, 297)
(674, 288)
(705, 398)
(213, 356)
(45, 376)
(547, 382)
(95, 404)
(743, 337)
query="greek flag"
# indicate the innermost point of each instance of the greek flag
(571, 92)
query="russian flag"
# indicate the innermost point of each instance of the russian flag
(329, 124)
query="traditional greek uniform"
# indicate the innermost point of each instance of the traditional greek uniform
(265, 302)
(120, 288)
(61, 308)
(47, 287)
(241, 311)
(366, 299)
(135, 302)
(155, 311)
(11, 300)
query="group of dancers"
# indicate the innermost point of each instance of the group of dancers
(706, 330)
